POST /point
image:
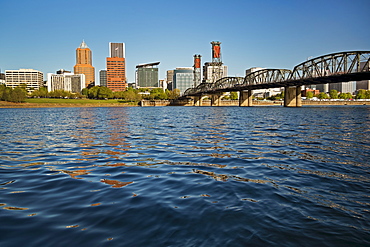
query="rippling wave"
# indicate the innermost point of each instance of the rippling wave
(185, 176)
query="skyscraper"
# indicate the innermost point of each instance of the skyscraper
(183, 78)
(116, 67)
(84, 64)
(147, 75)
(103, 77)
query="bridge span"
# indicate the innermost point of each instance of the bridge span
(331, 68)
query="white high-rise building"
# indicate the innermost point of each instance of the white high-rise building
(67, 81)
(209, 69)
(32, 79)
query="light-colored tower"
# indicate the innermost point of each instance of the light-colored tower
(216, 61)
(84, 64)
(197, 70)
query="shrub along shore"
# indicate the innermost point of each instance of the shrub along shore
(48, 102)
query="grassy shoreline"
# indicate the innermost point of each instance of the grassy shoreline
(47, 102)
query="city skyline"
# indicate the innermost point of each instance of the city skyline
(264, 34)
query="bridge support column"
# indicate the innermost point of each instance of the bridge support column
(245, 98)
(198, 100)
(292, 97)
(216, 99)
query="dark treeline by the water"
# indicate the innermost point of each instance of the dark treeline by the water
(185, 176)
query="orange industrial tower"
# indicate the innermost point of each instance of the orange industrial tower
(116, 67)
(84, 64)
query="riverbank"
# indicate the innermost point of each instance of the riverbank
(40, 103)
(44, 103)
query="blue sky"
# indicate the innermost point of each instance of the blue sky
(44, 34)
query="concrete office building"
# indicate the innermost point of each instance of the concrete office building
(183, 78)
(169, 79)
(147, 75)
(116, 67)
(65, 81)
(366, 83)
(32, 79)
(343, 87)
(208, 71)
(103, 78)
(2, 78)
(84, 64)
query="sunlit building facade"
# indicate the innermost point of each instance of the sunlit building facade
(183, 78)
(116, 68)
(65, 81)
(147, 75)
(29, 78)
(84, 64)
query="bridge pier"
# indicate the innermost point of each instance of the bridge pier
(292, 96)
(198, 100)
(216, 99)
(245, 98)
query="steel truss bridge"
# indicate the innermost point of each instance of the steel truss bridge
(331, 68)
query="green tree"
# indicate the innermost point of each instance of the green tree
(6, 95)
(361, 94)
(85, 91)
(309, 95)
(174, 94)
(367, 94)
(233, 95)
(93, 92)
(158, 93)
(322, 95)
(18, 95)
(118, 95)
(2, 89)
(333, 94)
(104, 93)
(132, 95)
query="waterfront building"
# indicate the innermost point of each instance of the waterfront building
(116, 67)
(169, 79)
(209, 70)
(84, 64)
(65, 81)
(2, 78)
(366, 83)
(103, 78)
(363, 85)
(343, 87)
(147, 75)
(323, 87)
(30, 78)
(183, 78)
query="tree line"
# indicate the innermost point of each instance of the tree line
(16, 95)
(131, 94)
(19, 94)
(334, 94)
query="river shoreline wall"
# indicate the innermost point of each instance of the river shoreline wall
(255, 103)
(4, 104)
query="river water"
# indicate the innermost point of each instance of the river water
(185, 176)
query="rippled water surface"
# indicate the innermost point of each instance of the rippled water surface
(185, 176)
